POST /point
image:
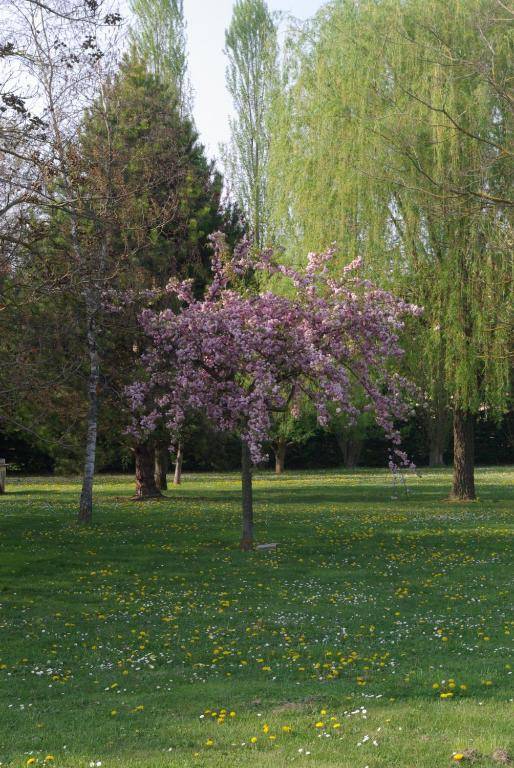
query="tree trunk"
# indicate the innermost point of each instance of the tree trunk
(436, 454)
(177, 477)
(280, 456)
(352, 452)
(145, 465)
(463, 455)
(350, 446)
(86, 497)
(246, 480)
(161, 467)
(3, 472)
(438, 432)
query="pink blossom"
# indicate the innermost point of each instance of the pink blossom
(239, 358)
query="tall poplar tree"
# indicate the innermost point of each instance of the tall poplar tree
(393, 139)
(159, 33)
(251, 49)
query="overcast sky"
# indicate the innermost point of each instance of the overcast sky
(206, 23)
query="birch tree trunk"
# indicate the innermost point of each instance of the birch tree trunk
(85, 514)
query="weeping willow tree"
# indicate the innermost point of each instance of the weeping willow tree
(159, 34)
(391, 136)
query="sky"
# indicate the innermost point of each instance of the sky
(206, 24)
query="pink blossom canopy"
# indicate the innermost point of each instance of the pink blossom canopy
(238, 358)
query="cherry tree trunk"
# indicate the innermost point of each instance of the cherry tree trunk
(146, 487)
(85, 514)
(280, 456)
(177, 477)
(161, 467)
(246, 480)
(463, 455)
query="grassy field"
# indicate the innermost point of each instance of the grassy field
(378, 633)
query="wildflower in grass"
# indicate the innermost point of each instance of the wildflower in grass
(265, 728)
(209, 742)
(253, 740)
(458, 756)
(286, 728)
(319, 724)
(31, 761)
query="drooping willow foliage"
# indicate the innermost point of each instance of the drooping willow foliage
(391, 136)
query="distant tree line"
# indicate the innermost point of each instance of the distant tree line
(206, 450)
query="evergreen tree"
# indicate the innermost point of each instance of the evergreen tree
(167, 203)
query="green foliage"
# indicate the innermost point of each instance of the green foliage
(164, 192)
(160, 37)
(391, 138)
(251, 48)
(143, 183)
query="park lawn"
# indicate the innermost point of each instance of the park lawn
(377, 634)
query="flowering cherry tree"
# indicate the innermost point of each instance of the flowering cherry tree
(239, 358)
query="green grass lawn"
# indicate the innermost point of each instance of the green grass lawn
(378, 634)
